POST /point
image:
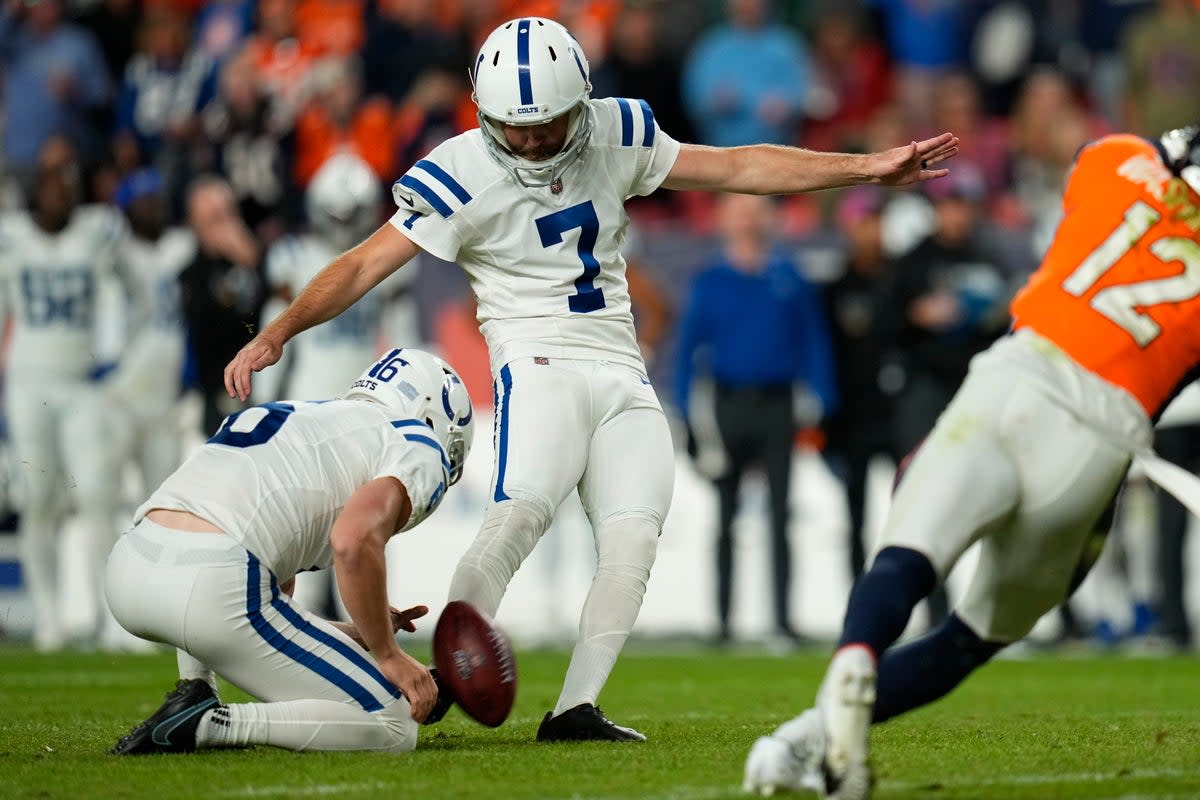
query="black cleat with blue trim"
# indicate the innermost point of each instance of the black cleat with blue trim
(171, 729)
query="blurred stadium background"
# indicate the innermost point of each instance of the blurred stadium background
(262, 93)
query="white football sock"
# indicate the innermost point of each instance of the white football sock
(39, 567)
(309, 725)
(99, 535)
(625, 552)
(192, 668)
(505, 539)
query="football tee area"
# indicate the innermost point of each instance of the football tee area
(1045, 726)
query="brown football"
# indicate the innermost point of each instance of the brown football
(475, 663)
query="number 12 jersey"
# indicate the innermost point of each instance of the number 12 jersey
(1119, 290)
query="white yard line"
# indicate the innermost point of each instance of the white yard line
(714, 792)
(1045, 780)
(307, 789)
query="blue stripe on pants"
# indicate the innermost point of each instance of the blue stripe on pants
(502, 400)
(295, 652)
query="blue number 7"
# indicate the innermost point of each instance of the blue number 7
(551, 228)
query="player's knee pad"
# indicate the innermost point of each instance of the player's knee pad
(399, 728)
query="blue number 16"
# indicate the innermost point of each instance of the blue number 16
(551, 228)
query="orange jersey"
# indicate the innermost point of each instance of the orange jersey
(1119, 289)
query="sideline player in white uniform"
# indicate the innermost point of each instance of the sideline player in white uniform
(52, 260)
(531, 206)
(281, 488)
(343, 204)
(146, 384)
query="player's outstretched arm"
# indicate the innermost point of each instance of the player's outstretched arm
(772, 169)
(337, 287)
(370, 517)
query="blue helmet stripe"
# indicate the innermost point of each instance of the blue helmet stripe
(648, 123)
(523, 78)
(626, 122)
(431, 197)
(454, 186)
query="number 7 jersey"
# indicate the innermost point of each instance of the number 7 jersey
(1119, 288)
(545, 266)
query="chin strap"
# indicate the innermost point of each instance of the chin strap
(525, 172)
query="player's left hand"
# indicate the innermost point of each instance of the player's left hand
(911, 163)
(403, 620)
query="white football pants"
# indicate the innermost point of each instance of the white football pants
(1026, 458)
(208, 596)
(62, 447)
(562, 424)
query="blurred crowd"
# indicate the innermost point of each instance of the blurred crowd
(215, 119)
(263, 92)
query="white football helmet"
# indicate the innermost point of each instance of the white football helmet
(1181, 152)
(414, 384)
(529, 71)
(343, 200)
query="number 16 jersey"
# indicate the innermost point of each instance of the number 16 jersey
(1119, 289)
(545, 266)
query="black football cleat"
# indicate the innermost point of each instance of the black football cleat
(444, 700)
(171, 729)
(584, 723)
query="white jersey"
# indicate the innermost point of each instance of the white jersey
(326, 359)
(50, 283)
(152, 362)
(275, 477)
(546, 268)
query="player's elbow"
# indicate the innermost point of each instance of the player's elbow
(353, 541)
(346, 544)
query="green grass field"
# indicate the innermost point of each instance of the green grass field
(1043, 728)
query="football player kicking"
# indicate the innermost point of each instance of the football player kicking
(531, 205)
(281, 488)
(1025, 459)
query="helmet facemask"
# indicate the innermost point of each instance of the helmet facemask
(531, 71)
(536, 174)
(1180, 149)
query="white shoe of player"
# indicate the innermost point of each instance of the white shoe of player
(846, 701)
(789, 759)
